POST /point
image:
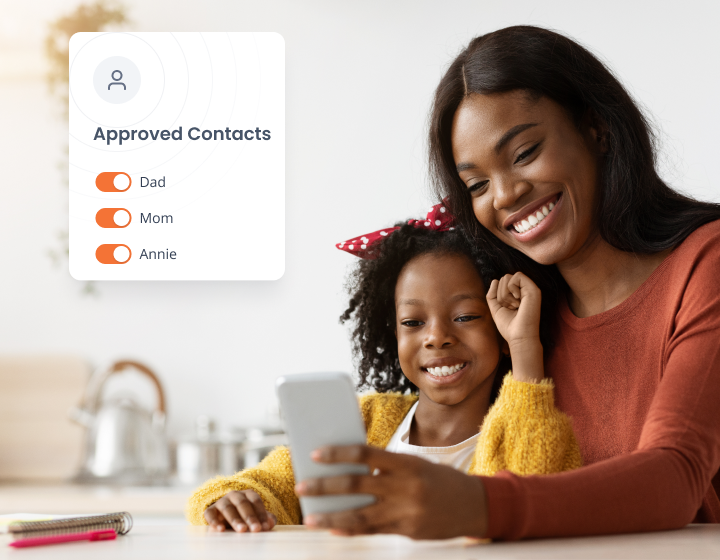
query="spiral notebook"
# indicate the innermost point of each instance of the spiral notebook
(61, 525)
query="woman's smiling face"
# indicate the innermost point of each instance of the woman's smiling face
(531, 172)
(448, 345)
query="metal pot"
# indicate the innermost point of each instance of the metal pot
(207, 455)
(260, 442)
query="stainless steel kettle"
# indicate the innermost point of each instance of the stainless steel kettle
(125, 443)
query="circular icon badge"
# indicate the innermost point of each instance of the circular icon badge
(117, 79)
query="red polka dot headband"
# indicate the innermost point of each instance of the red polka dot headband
(438, 218)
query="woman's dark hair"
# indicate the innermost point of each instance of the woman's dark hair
(637, 211)
(372, 302)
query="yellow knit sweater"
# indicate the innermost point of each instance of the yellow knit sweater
(523, 432)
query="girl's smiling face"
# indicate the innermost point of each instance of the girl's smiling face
(531, 172)
(448, 345)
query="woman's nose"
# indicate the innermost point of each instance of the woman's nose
(507, 191)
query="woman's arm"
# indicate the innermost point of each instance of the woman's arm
(667, 479)
(272, 479)
(659, 486)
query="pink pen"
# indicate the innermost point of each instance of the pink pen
(104, 535)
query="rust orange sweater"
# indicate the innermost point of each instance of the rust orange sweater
(642, 384)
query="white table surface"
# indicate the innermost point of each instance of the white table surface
(171, 537)
(66, 498)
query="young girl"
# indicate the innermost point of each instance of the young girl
(426, 342)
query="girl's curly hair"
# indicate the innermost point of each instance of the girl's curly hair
(372, 301)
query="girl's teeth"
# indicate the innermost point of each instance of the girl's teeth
(533, 219)
(445, 370)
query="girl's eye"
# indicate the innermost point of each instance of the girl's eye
(527, 153)
(477, 188)
(411, 323)
(466, 318)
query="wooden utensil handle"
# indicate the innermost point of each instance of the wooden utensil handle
(117, 367)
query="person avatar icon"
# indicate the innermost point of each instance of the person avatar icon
(117, 81)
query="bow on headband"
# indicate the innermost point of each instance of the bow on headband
(438, 218)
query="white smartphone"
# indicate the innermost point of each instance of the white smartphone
(321, 409)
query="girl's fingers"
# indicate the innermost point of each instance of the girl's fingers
(247, 511)
(260, 510)
(230, 512)
(505, 296)
(214, 518)
(492, 290)
(515, 283)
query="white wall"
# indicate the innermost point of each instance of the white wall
(360, 77)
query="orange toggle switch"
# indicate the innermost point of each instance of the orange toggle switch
(113, 254)
(113, 181)
(113, 217)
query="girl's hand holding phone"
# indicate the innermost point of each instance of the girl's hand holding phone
(415, 497)
(514, 302)
(240, 510)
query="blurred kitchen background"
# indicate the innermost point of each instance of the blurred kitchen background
(360, 79)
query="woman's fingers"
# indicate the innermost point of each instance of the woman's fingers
(372, 456)
(412, 500)
(363, 521)
(346, 484)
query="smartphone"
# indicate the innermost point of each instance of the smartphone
(320, 409)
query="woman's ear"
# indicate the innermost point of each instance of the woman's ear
(505, 347)
(597, 131)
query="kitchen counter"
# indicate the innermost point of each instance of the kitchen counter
(171, 537)
(62, 498)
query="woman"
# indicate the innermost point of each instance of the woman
(545, 155)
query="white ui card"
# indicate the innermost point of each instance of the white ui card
(177, 156)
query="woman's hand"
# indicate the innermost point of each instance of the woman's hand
(415, 498)
(514, 302)
(241, 510)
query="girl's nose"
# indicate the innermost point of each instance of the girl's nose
(439, 336)
(507, 191)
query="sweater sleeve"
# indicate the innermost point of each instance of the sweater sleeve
(524, 433)
(272, 479)
(667, 479)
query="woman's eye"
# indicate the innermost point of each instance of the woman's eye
(477, 187)
(466, 318)
(411, 323)
(527, 153)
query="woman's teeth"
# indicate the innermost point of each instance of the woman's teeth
(533, 219)
(445, 370)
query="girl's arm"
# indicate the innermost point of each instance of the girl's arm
(523, 432)
(235, 500)
(514, 302)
